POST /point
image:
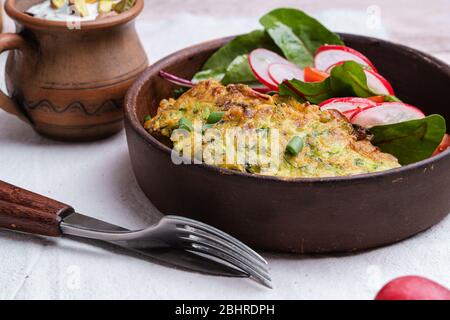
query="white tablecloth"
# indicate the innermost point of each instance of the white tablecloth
(96, 178)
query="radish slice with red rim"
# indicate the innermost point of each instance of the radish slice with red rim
(387, 113)
(329, 55)
(378, 84)
(260, 60)
(334, 65)
(357, 111)
(279, 72)
(352, 113)
(347, 106)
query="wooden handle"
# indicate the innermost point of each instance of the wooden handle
(25, 211)
(12, 41)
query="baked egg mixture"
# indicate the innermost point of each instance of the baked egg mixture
(310, 142)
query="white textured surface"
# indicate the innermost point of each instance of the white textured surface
(97, 179)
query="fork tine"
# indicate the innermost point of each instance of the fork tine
(225, 245)
(224, 236)
(211, 251)
(238, 254)
(234, 258)
(237, 260)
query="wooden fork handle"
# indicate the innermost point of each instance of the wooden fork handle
(25, 211)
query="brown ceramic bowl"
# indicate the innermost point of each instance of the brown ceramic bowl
(340, 214)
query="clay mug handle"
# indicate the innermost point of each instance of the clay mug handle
(12, 41)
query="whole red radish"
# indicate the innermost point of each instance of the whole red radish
(413, 288)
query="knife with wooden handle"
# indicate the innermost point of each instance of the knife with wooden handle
(25, 211)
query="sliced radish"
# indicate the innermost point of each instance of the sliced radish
(352, 113)
(387, 113)
(362, 102)
(260, 60)
(378, 84)
(334, 65)
(175, 79)
(329, 55)
(357, 111)
(347, 106)
(279, 72)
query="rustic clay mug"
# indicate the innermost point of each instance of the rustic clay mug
(68, 81)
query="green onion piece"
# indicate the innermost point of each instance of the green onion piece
(215, 117)
(185, 124)
(147, 118)
(295, 146)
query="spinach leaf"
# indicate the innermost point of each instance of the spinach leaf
(294, 32)
(349, 80)
(390, 98)
(287, 90)
(345, 80)
(314, 92)
(293, 48)
(239, 71)
(216, 74)
(410, 141)
(217, 64)
(238, 46)
(297, 34)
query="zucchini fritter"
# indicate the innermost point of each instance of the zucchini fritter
(330, 145)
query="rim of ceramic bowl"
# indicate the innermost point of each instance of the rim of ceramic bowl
(152, 71)
(37, 23)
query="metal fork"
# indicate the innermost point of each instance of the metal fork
(24, 211)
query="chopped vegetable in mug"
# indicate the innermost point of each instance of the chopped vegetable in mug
(85, 10)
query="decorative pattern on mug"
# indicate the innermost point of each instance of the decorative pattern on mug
(77, 105)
